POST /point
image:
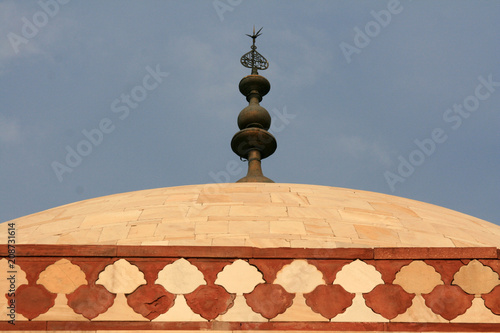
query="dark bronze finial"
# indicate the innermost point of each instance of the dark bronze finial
(253, 142)
(254, 59)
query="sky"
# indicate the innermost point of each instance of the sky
(103, 97)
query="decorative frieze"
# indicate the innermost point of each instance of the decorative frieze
(260, 286)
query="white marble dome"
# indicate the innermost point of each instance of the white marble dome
(257, 215)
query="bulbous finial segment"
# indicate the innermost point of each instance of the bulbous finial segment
(253, 142)
(253, 87)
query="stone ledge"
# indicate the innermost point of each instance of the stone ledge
(131, 251)
(234, 326)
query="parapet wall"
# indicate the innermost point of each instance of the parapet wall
(100, 288)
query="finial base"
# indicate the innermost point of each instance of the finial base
(254, 174)
(257, 179)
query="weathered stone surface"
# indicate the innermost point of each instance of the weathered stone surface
(493, 264)
(299, 312)
(229, 302)
(269, 300)
(389, 300)
(448, 301)
(60, 311)
(62, 277)
(475, 278)
(5, 283)
(151, 269)
(340, 216)
(121, 277)
(240, 277)
(299, 277)
(329, 300)
(477, 313)
(180, 312)
(418, 278)
(447, 268)
(210, 268)
(329, 268)
(270, 268)
(389, 268)
(33, 300)
(181, 277)
(92, 268)
(358, 277)
(150, 300)
(120, 311)
(359, 312)
(241, 312)
(419, 312)
(33, 268)
(492, 300)
(90, 300)
(209, 301)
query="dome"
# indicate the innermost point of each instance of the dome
(262, 215)
(250, 256)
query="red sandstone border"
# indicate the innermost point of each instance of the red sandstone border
(236, 326)
(51, 252)
(128, 251)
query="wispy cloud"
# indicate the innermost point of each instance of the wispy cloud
(360, 148)
(16, 18)
(10, 131)
(311, 57)
(10, 21)
(211, 69)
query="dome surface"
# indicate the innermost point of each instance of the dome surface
(255, 214)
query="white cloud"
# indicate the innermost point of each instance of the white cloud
(10, 22)
(17, 45)
(10, 131)
(206, 70)
(360, 148)
(311, 57)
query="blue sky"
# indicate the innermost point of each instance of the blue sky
(394, 97)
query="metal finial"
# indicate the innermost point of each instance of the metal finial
(253, 142)
(255, 35)
(254, 59)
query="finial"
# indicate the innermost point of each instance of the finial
(254, 59)
(253, 142)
